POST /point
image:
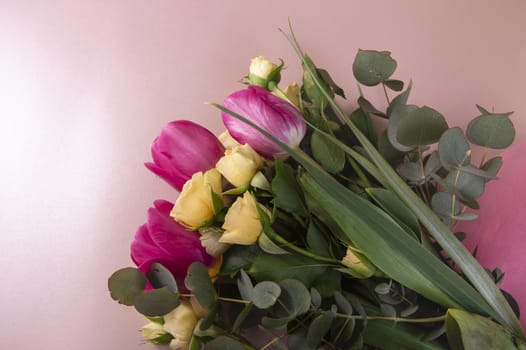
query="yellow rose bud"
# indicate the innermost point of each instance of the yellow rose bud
(227, 140)
(242, 224)
(239, 165)
(358, 264)
(195, 206)
(261, 67)
(180, 323)
(292, 93)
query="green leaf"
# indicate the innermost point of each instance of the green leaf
(241, 317)
(157, 302)
(316, 240)
(467, 185)
(395, 85)
(244, 284)
(286, 191)
(387, 150)
(311, 89)
(372, 67)
(492, 166)
(268, 246)
(454, 149)
(315, 297)
(342, 303)
(265, 294)
(125, 284)
(318, 328)
(328, 282)
(223, 342)
(412, 171)
(368, 107)
(400, 100)
(198, 281)
(363, 121)
(238, 257)
(466, 331)
(295, 297)
(423, 126)
(491, 130)
(159, 276)
(327, 153)
(398, 114)
(280, 267)
(442, 204)
(330, 82)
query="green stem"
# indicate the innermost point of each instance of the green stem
(386, 95)
(395, 319)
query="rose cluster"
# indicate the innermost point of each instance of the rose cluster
(206, 219)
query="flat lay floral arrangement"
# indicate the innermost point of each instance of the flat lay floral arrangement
(301, 227)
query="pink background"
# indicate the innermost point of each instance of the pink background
(85, 86)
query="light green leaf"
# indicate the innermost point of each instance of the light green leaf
(454, 149)
(327, 153)
(265, 294)
(423, 126)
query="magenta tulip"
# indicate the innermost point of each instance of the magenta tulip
(182, 149)
(271, 113)
(162, 240)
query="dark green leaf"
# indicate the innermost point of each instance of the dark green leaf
(482, 110)
(327, 153)
(388, 310)
(318, 328)
(242, 316)
(396, 85)
(315, 297)
(467, 185)
(268, 246)
(382, 288)
(342, 303)
(491, 130)
(287, 193)
(492, 166)
(398, 114)
(412, 171)
(330, 82)
(198, 281)
(295, 297)
(442, 204)
(387, 150)
(125, 284)
(238, 257)
(223, 342)
(157, 302)
(265, 294)
(363, 122)
(328, 282)
(400, 100)
(159, 276)
(432, 164)
(372, 67)
(310, 88)
(423, 126)
(316, 240)
(454, 149)
(368, 107)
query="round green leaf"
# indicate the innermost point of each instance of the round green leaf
(198, 281)
(294, 296)
(265, 294)
(387, 150)
(454, 149)
(372, 67)
(223, 342)
(244, 284)
(442, 204)
(318, 328)
(396, 85)
(399, 113)
(159, 276)
(491, 130)
(157, 302)
(423, 126)
(125, 284)
(467, 185)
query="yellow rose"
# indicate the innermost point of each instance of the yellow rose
(261, 67)
(358, 264)
(154, 333)
(242, 224)
(227, 140)
(180, 323)
(292, 92)
(239, 165)
(195, 206)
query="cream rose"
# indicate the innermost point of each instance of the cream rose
(180, 323)
(261, 67)
(359, 265)
(239, 165)
(195, 206)
(242, 223)
(154, 333)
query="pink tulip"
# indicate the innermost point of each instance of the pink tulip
(500, 230)
(163, 240)
(271, 113)
(182, 149)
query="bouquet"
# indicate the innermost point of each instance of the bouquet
(301, 227)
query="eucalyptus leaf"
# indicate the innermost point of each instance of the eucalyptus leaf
(328, 154)
(372, 67)
(363, 121)
(468, 186)
(382, 288)
(423, 126)
(342, 303)
(453, 148)
(315, 297)
(330, 82)
(491, 130)
(398, 114)
(125, 284)
(244, 284)
(268, 246)
(400, 100)
(198, 281)
(395, 85)
(318, 328)
(223, 342)
(295, 297)
(442, 204)
(387, 150)
(157, 302)
(265, 294)
(432, 164)
(492, 166)
(408, 311)
(368, 107)
(412, 171)
(467, 216)
(159, 276)
(388, 310)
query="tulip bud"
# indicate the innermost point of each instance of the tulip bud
(358, 264)
(242, 223)
(195, 205)
(154, 333)
(180, 323)
(182, 149)
(262, 71)
(271, 113)
(239, 165)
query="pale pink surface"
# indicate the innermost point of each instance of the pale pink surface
(85, 87)
(500, 231)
